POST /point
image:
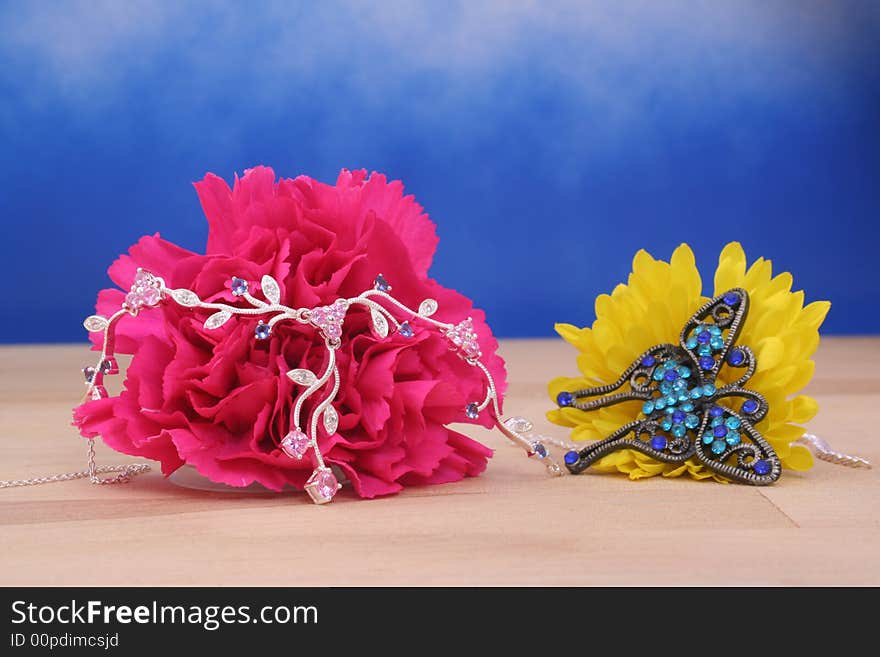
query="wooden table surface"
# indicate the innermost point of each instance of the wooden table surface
(512, 525)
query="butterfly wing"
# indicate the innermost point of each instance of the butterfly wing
(709, 335)
(730, 446)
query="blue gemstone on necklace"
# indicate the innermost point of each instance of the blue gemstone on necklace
(761, 467)
(239, 286)
(666, 387)
(671, 375)
(749, 406)
(571, 457)
(406, 330)
(718, 447)
(733, 422)
(714, 330)
(678, 430)
(732, 438)
(687, 407)
(540, 450)
(648, 407)
(708, 438)
(262, 331)
(703, 337)
(716, 411)
(691, 343)
(731, 298)
(658, 374)
(736, 357)
(379, 283)
(684, 372)
(720, 431)
(708, 390)
(659, 443)
(707, 363)
(691, 421)
(716, 342)
(678, 417)
(648, 361)
(565, 399)
(696, 393)
(666, 424)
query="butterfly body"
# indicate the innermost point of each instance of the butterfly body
(685, 413)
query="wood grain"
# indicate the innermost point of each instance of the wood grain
(511, 525)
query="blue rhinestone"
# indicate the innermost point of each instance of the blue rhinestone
(683, 397)
(540, 450)
(679, 385)
(704, 350)
(678, 417)
(658, 443)
(472, 410)
(648, 361)
(736, 357)
(749, 406)
(761, 467)
(714, 330)
(239, 286)
(717, 422)
(687, 407)
(708, 438)
(565, 399)
(648, 407)
(684, 372)
(660, 403)
(708, 390)
(707, 363)
(670, 410)
(671, 399)
(671, 375)
(732, 422)
(666, 387)
(720, 431)
(658, 374)
(571, 457)
(691, 343)
(696, 393)
(732, 438)
(262, 331)
(716, 342)
(666, 424)
(679, 431)
(691, 421)
(718, 447)
(406, 330)
(731, 298)
(703, 337)
(716, 411)
(379, 283)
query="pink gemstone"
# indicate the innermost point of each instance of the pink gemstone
(110, 365)
(150, 296)
(319, 316)
(295, 444)
(132, 300)
(143, 278)
(333, 330)
(326, 485)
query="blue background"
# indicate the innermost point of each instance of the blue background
(548, 141)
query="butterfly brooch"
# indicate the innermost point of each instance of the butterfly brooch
(685, 411)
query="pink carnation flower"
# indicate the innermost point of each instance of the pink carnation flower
(219, 400)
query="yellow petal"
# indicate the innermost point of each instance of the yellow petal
(803, 409)
(731, 268)
(800, 458)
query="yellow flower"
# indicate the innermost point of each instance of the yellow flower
(652, 308)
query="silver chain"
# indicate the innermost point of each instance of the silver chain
(124, 473)
(823, 451)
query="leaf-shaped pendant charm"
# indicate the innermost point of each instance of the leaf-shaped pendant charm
(95, 323)
(428, 307)
(218, 319)
(270, 288)
(302, 376)
(331, 420)
(380, 324)
(186, 298)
